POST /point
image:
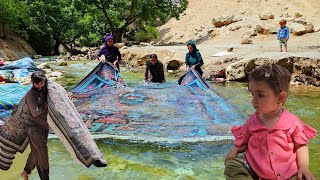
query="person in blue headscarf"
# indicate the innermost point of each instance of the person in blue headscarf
(194, 58)
(110, 52)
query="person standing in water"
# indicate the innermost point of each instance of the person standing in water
(110, 52)
(37, 127)
(156, 70)
(194, 58)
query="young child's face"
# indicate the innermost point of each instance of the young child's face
(263, 98)
(282, 24)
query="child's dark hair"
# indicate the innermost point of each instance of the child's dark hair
(283, 21)
(153, 56)
(277, 77)
(38, 77)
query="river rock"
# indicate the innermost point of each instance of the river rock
(303, 69)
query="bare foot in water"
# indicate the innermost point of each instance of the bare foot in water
(25, 175)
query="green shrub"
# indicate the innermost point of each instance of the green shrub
(148, 34)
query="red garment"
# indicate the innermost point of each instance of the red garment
(1, 63)
(271, 152)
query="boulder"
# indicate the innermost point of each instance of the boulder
(266, 16)
(266, 29)
(62, 50)
(246, 40)
(224, 21)
(297, 15)
(14, 48)
(119, 45)
(302, 21)
(84, 50)
(174, 64)
(309, 28)
(144, 44)
(56, 74)
(298, 29)
(251, 32)
(303, 69)
(234, 28)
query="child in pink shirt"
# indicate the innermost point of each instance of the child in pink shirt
(273, 139)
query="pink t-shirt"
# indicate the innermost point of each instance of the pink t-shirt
(271, 152)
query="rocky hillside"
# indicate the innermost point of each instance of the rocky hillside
(248, 29)
(229, 21)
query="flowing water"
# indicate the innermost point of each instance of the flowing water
(138, 160)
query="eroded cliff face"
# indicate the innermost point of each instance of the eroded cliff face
(13, 48)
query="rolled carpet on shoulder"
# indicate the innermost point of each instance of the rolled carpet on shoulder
(64, 120)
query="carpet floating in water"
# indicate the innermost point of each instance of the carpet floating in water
(187, 111)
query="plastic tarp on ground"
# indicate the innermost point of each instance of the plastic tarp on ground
(24, 63)
(11, 94)
(167, 112)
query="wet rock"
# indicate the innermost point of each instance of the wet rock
(144, 44)
(48, 71)
(44, 66)
(56, 74)
(64, 63)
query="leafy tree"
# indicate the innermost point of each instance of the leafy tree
(48, 23)
(59, 19)
(12, 13)
(119, 14)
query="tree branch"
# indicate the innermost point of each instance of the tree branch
(103, 8)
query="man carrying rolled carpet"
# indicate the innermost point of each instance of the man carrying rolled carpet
(36, 126)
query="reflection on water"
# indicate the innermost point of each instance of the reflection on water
(136, 160)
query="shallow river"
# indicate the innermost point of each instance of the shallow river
(137, 160)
